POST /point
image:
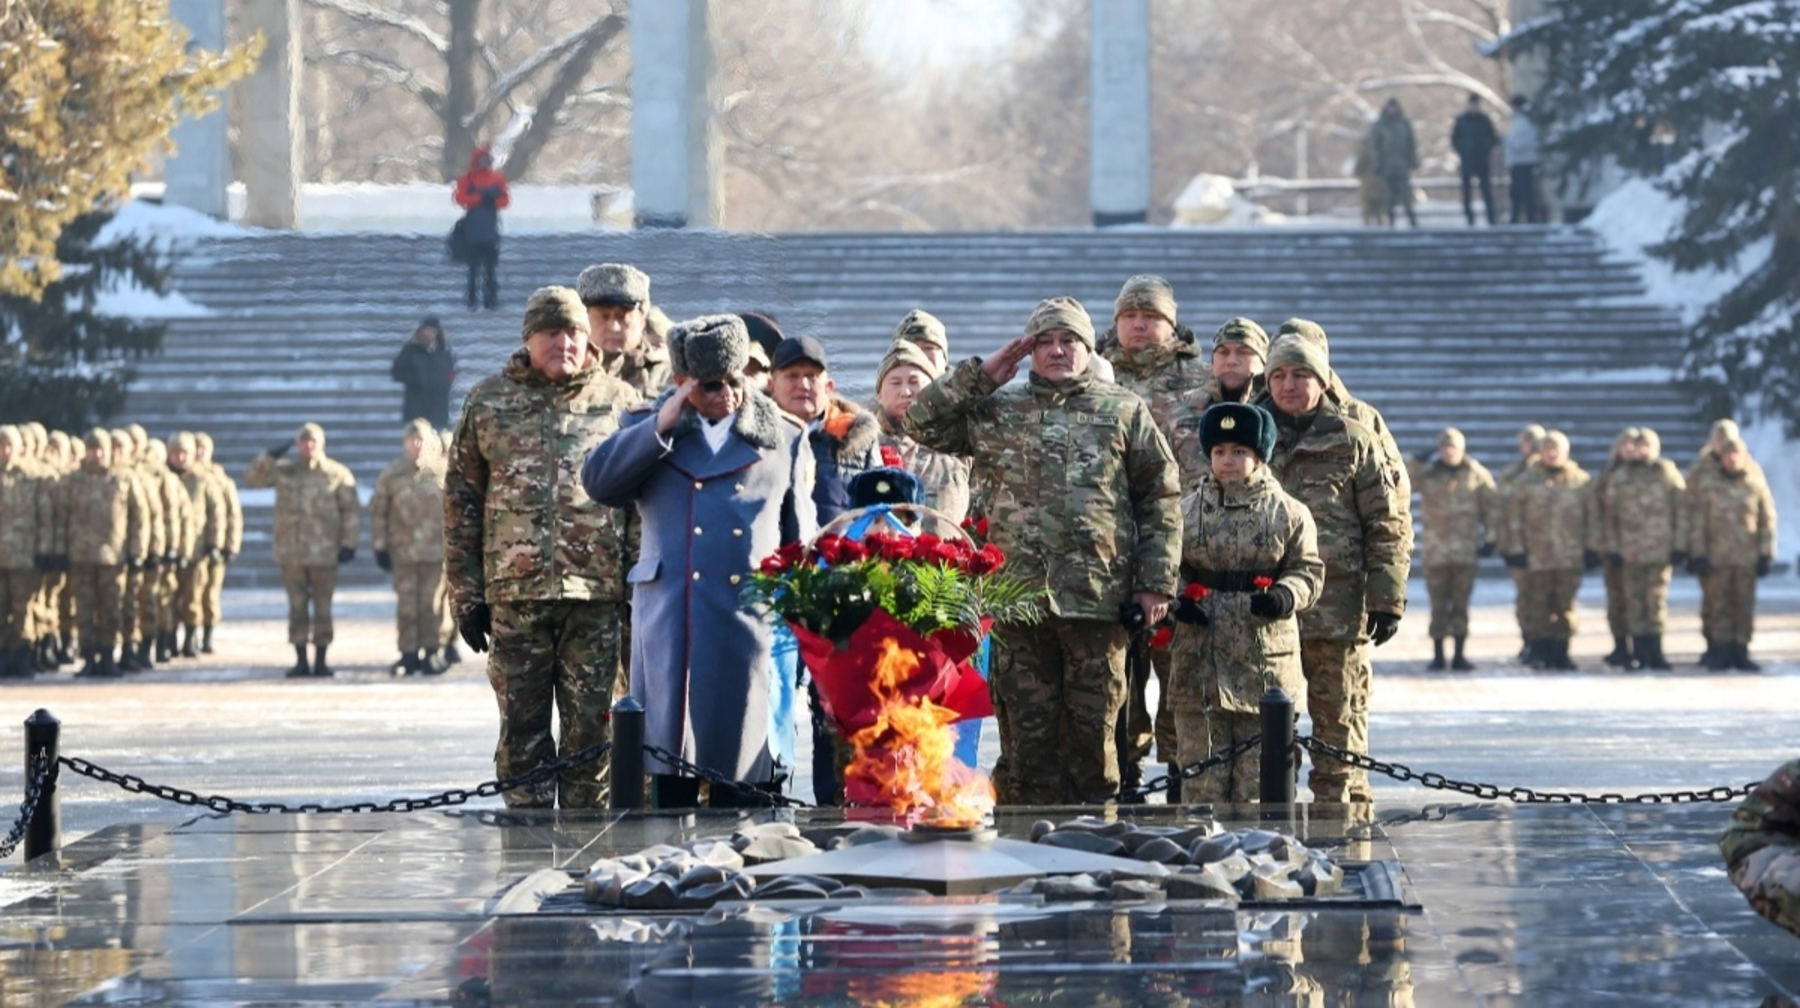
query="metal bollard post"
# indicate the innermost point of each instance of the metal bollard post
(1278, 771)
(627, 754)
(44, 833)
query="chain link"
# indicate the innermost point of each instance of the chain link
(1517, 795)
(743, 789)
(442, 799)
(42, 772)
(1162, 783)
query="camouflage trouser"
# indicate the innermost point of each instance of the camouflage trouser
(1057, 689)
(97, 594)
(1728, 603)
(314, 584)
(1521, 602)
(1450, 586)
(1552, 603)
(18, 587)
(147, 581)
(1145, 729)
(1762, 856)
(419, 605)
(564, 655)
(168, 592)
(1617, 621)
(1646, 591)
(191, 589)
(128, 606)
(211, 607)
(1203, 732)
(65, 602)
(1338, 684)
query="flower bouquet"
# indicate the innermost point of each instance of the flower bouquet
(886, 625)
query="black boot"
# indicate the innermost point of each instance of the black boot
(320, 670)
(451, 655)
(1174, 772)
(1647, 649)
(90, 662)
(300, 670)
(403, 665)
(1457, 661)
(206, 639)
(1621, 653)
(33, 662)
(65, 651)
(1537, 653)
(107, 668)
(1719, 657)
(1708, 656)
(1131, 774)
(128, 657)
(144, 649)
(165, 646)
(10, 667)
(1740, 659)
(1437, 655)
(433, 664)
(187, 643)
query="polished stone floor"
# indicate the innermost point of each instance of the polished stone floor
(1503, 905)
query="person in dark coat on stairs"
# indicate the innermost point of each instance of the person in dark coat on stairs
(426, 369)
(1474, 139)
(481, 192)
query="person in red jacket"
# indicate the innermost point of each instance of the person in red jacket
(481, 192)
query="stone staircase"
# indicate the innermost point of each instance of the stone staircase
(1482, 329)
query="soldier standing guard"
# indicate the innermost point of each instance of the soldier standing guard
(1081, 492)
(1555, 529)
(317, 523)
(22, 544)
(1461, 508)
(1337, 467)
(181, 531)
(617, 296)
(210, 516)
(406, 531)
(1253, 553)
(1642, 510)
(212, 603)
(103, 533)
(1700, 474)
(1731, 538)
(1507, 480)
(137, 618)
(533, 562)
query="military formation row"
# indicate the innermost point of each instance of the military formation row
(113, 546)
(1637, 521)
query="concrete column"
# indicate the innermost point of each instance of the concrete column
(197, 174)
(271, 136)
(1119, 111)
(674, 127)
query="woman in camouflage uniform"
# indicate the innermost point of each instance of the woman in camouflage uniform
(1255, 552)
(902, 375)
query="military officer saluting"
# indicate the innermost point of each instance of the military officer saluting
(318, 520)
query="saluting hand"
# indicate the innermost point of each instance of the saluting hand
(1005, 362)
(670, 414)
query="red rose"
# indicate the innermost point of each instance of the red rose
(772, 564)
(897, 548)
(981, 526)
(1262, 582)
(1195, 591)
(985, 560)
(890, 457)
(1161, 636)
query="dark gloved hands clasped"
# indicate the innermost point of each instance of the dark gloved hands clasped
(1273, 603)
(1131, 617)
(1383, 626)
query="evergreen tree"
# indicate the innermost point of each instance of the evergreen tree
(1703, 96)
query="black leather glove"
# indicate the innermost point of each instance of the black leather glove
(1383, 626)
(1701, 566)
(1190, 612)
(1590, 560)
(1764, 565)
(226, 555)
(1615, 560)
(44, 562)
(1515, 560)
(135, 563)
(475, 625)
(1275, 603)
(1131, 616)
(384, 560)
(150, 563)
(346, 554)
(280, 449)
(214, 553)
(1678, 559)
(1486, 549)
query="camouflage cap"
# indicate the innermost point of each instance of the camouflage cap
(183, 442)
(12, 435)
(1146, 292)
(1293, 350)
(420, 428)
(34, 429)
(100, 438)
(60, 440)
(1452, 436)
(1557, 437)
(554, 308)
(1724, 430)
(1243, 331)
(1531, 432)
(613, 284)
(1061, 313)
(203, 440)
(1306, 329)
(920, 326)
(1651, 441)
(1733, 444)
(709, 347)
(139, 436)
(121, 440)
(904, 354)
(1238, 423)
(310, 431)
(156, 451)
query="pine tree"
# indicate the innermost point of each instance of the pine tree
(1703, 96)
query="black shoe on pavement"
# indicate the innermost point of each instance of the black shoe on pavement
(431, 663)
(1458, 663)
(1437, 655)
(1175, 782)
(301, 670)
(1621, 654)
(451, 655)
(320, 670)
(1740, 659)
(206, 639)
(188, 650)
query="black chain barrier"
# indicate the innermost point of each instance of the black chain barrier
(1519, 795)
(41, 772)
(1189, 772)
(743, 789)
(443, 799)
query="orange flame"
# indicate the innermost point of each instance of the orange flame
(940, 989)
(907, 751)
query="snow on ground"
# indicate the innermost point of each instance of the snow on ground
(168, 225)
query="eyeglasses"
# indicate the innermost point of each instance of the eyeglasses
(718, 385)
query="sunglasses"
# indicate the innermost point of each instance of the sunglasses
(718, 385)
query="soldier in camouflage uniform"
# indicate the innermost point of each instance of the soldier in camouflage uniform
(1762, 847)
(1159, 359)
(181, 531)
(1241, 638)
(1508, 477)
(1731, 543)
(406, 530)
(209, 515)
(1336, 466)
(1082, 494)
(1553, 526)
(1642, 509)
(1704, 469)
(1613, 575)
(212, 602)
(57, 620)
(923, 330)
(103, 533)
(138, 618)
(617, 297)
(22, 545)
(1461, 509)
(1352, 407)
(533, 562)
(905, 371)
(318, 520)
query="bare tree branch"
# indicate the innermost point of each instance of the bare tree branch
(563, 84)
(389, 72)
(507, 83)
(369, 14)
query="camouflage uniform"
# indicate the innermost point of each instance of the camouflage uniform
(646, 369)
(946, 477)
(211, 518)
(1642, 510)
(105, 532)
(1551, 520)
(1350, 406)
(406, 521)
(317, 516)
(1081, 494)
(182, 528)
(212, 602)
(1731, 540)
(138, 617)
(23, 541)
(1762, 847)
(1506, 480)
(1612, 575)
(521, 536)
(1460, 507)
(1230, 535)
